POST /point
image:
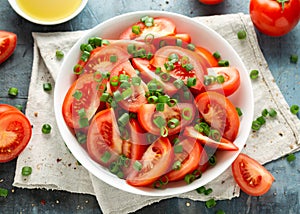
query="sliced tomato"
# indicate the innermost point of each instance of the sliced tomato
(185, 56)
(181, 40)
(8, 43)
(231, 80)
(222, 144)
(189, 158)
(100, 59)
(207, 55)
(161, 27)
(133, 47)
(15, 133)
(147, 72)
(154, 163)
(133, 101)
(251, 176)
(104, 143)
(84, 94)
(6, 107)
(220, 113)
(147, 114)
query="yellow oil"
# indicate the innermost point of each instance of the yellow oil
(49, 10)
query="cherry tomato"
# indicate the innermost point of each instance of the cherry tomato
(84, 95)
(251, 176)
(231, 80)
(189, 158)
(161, 27)
(207, 55)
(154, 163)
(137, 97)
(147, 114)
(104, 143)
(274, 18)
(147, 72)
(8, 43)
(222, 144)
(210, 2)
(220, 113)
(15, 132)
(197, 66)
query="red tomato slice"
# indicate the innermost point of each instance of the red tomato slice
(15, 133)
(137, 97)
(189, 158)
(8, 43)
(154, 163)
(84, 94)
(137, 45)
(147, 72)
(199, 65)
(104, 143)
(231, 80)
(181, 40)
(220, 113)
(147, 113)
(223, 144)
(161, 27)
(207, 55)
(100, 59)
(251, 176)
(6, 107)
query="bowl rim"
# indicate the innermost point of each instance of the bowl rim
(20, 12)
(107, 176)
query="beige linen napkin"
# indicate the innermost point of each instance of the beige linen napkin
(55, 168)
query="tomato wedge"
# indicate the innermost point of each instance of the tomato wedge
(104, 143)
(147, 72)
(15, 133)
(223, 144)
(251, 176)
(161, 27)
(183, 112)
(8, 43)
(220, 113)
(231, 80)
(154, 163)
(83, 99)
(189, 158)
(136, 96)
(188, 65)
(207, 55)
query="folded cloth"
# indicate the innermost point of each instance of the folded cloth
(55, 168)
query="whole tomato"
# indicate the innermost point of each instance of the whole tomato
(275, 17)
(210, 1)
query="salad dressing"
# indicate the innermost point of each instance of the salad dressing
(49, 10)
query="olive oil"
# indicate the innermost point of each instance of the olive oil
(49, 10)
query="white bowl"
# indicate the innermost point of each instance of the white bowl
(19, 11)
(201, 35)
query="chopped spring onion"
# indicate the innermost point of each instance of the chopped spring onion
(191, 81)
(85, 56)
(176, 165)
(189, 178)
(239, 111)
(214, 134)
(3, 192)
(163, 98)
(137, 165)
(178, 83)
(178, 149)
(223, 63)
(294, 58)
(77, 69)
(136, 81)
(114, 168)
(201, 189)
(160, 106)
(148, 21)
(149, 38)
(105, 157)
(46, 129)
(242, 34)
(104, 97)
(209, 79)
(136, 29)
(294, 109)
(123, 119)
(212, 160)
(208, 191)
(175, 141)
(179, 42)
(81, 137)
(191, 47)
(127, 93)
(254, 74)
(164, 131)
(152, 99)
(159, 121)
(188, 67)
(164, 76)
(265, 112)
(47, 86)
(187, 113)
(173, 57)
(210, 203)
(131, 48)
(173, 123)
(291, 157)
(261, 120)
(114, 81)
(172, 102)
(59, 54)
(220, 79)
(169, 65)
(272, 112)
(26, 170)
(20, 107)
(255, 125)
(13, 91)
(117, 96)
(77, 95)
(217, 55)
(113, 58)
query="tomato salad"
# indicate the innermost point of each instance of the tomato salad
(152, 107)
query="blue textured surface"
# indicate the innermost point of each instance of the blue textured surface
(16, 71)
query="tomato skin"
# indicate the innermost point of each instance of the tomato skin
(162, 27)
(6, 107)
(155, 163)
(220, 113)
(8, 43)
(230, 85)
(14, 126)
(91, 91)
(251, 176)
(104, 136)
(270, 19)
(189, 158)
(207, 55)
(210, 2)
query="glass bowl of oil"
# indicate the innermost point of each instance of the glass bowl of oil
(48, 12)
